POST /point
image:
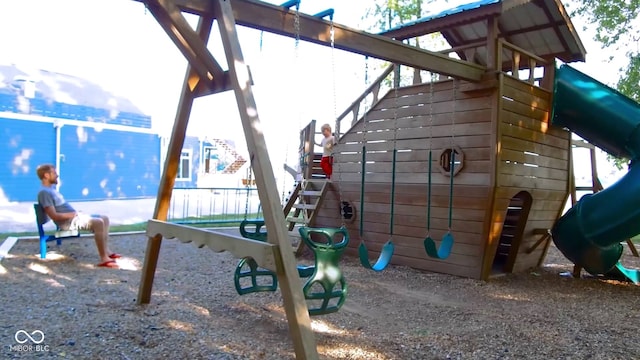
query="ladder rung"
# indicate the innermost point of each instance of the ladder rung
(310, 193)
(584, 188)
(295, 220)
(304, 206)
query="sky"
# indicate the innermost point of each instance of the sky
(119, 45)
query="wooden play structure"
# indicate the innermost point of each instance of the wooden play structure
(486, 127)
(512, 172)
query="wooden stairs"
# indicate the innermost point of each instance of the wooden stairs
(238, 162)
(305, 199)
(510, 230)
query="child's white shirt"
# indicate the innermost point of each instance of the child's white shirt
(327, 145)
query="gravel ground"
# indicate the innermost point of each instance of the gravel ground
(90, 313)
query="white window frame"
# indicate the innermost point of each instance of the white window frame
(212, 148)
(186, 154)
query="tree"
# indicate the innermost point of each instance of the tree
(392, 13)
(616, 29)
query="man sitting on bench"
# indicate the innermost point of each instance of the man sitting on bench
(66, 217)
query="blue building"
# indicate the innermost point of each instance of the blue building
(102, 145)
(206, 162)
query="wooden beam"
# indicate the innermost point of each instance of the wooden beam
(263, 253)
(170, 170)
(186, 39)
(279, 20)
(471, 45)
(291, 287)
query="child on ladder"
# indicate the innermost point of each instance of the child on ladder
(326, 163)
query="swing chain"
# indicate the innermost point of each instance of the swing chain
(453, 151)
(430, 158)
(246, 202)
(453, 115)
(433, 77)
(296, 28)
(394, 153)
(296, 24)
(303, 181)
(364, 153)
(333, 74)
(337, 126)
(395, 110)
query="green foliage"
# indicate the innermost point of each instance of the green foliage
(630, 80)
(614, 19)
(388, 14)
(619, 163)
(616, 29)
(392, 13)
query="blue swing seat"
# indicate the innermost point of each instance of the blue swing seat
(58, 235)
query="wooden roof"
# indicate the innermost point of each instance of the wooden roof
(541, 27)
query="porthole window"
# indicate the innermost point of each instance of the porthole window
(446, 157)
(348, 212)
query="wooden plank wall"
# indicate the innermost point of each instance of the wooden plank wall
(409, 113)
(534, 157)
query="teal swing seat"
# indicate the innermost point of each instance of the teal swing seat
(384, 259)
(446, 244)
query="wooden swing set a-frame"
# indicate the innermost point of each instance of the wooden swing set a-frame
(205, 76)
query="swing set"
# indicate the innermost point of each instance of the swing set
(447, 162)
(205, 76)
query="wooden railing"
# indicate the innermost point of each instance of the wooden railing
(518, 55)
(354, 108)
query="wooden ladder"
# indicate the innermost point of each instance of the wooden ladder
(305, 200)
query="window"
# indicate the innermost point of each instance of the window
(184, 167)
(446, 157)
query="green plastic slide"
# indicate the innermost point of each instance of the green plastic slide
(589, 234)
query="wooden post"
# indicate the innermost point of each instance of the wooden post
(493, 57)
(515, 68)
(172, 161)
(290, 284)
(532, 69)
(549, 75)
